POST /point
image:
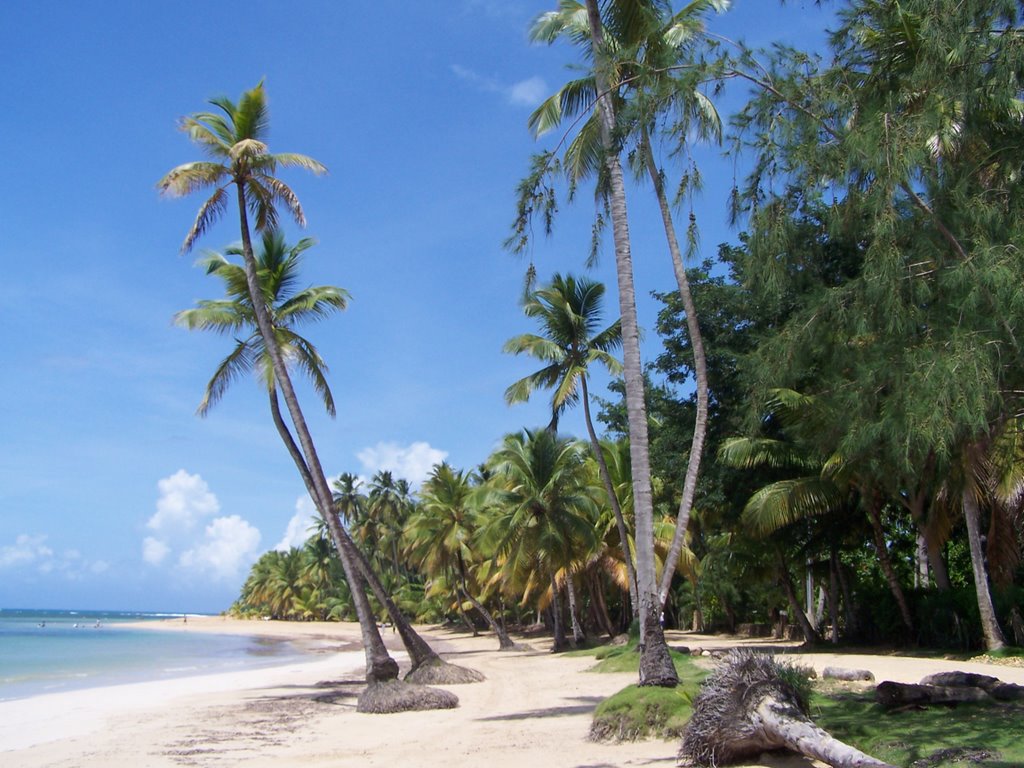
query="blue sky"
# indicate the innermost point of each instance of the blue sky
(113, 494)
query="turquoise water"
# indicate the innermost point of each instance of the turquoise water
(53, 651)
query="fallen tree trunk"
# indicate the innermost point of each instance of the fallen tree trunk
(899, 695)
(750, 705)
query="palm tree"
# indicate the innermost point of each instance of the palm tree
(656, 666)
(234, 139)
(277, 267)
(440, 536)
(543, 514)
(649, 42)
(569, 313)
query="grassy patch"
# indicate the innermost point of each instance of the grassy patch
(983, 736)
(936, 737)
(642, 713)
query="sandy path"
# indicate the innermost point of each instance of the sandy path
(534, 710)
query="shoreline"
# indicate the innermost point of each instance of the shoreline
(534, 708)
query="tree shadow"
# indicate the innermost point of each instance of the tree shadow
(588, 704)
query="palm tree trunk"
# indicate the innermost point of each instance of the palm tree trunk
(504, 641)
(833, 593)
(656, 666)
(700, 369)
(577, 631)
(885, 563)
(994, 639)
(419, 651)
(613, 499)
(810, 636)
(599, 606)
(558, 625)
(379, 664)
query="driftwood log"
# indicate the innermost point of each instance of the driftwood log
(947, 688)
(749, 705)
(850, 675)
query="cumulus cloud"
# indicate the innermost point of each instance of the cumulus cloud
(228, 547)
(154, 551)
(525, 93)
(26, 550)
(222, 550)
(299, 526)
(184, 500)
(412, 462)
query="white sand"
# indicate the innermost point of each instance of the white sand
(534, 710)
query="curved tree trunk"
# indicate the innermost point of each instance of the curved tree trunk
(379, 664)
(420, 652)
(994, 640)
(613, 499)
(700, 369)
(810, 636)
(874, 515)
(504, 641)
(656, 666)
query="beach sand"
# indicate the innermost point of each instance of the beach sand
(533, 710)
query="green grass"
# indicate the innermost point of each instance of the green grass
(936, 737)
(982, 736)
(636, 713)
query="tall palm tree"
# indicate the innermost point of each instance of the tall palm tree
(542, 524)
(569, 313)
(441, 533)
(650, 44)
(656, 666)
(234, 139)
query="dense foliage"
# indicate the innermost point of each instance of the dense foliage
(864, 455)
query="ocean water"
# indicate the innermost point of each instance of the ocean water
(54, 651)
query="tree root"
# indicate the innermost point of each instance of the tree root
(383, 698)
(440, 672)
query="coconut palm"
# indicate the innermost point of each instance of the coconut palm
(656, 667)
(277, 266)
(649, 44)
(440, 536)
(234, 138)
(543, 511)
(568, 311)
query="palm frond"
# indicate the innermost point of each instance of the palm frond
(239, 362)
(787, 501)
(191, 177)
(209, 212)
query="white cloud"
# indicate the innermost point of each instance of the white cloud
(528, 93)
(525, 93)
(229, 546)
(154, 551)
(33, 553)
(298, 529)
(184, 500)
(412, 462)
(26, 550)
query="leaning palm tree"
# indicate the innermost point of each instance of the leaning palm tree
(277, 266)
(233, 137)
(568, 311)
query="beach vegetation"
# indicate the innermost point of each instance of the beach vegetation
(234, 140)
